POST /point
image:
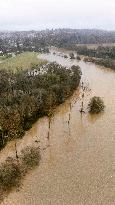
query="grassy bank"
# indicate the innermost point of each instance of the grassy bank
(22, 61)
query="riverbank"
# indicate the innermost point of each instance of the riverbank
(107, 63)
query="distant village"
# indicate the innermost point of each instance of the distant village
(40, 41)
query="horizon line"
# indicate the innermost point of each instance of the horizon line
(50, 29)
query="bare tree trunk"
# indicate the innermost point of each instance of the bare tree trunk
(16, 151)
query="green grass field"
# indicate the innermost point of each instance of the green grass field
(2, 58)
(22, 61)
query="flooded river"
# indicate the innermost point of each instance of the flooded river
(78, 161)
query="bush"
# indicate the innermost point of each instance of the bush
(10, 174)
(65, 56)
(12, 171)
(96, 105)
(30, 157)
(78, 58)
(72, 56)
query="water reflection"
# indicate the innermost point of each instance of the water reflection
(93, 118)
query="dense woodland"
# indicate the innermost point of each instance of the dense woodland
(27, 95)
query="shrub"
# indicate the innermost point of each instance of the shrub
(78, 58)
(10, 174)
(12, 171)
(30, 157)
(65, 56)
(72, 56)
(96, 105)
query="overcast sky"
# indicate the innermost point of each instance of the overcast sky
(41, 14)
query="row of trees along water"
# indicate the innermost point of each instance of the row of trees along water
(101, 55)
(27, 95)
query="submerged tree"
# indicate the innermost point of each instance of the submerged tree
(96, 105)
(72, 56)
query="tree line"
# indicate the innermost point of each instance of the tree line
(99, 52)
(25, 97)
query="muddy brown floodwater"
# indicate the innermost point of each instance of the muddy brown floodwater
(78, 165)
